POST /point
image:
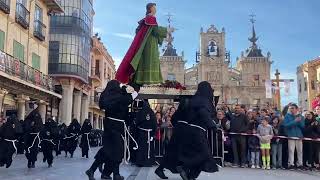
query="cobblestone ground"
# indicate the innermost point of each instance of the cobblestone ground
(73, 169)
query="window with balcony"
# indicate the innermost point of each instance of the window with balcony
(2, 38)
(18, 51)
(39, 27)
(5, 6)
(36, 61)
(22, 14)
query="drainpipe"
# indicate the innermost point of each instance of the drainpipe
(28, 44)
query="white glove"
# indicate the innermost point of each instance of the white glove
(151, 139)
(134, 95)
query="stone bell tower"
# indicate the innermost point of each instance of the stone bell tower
(213, 66)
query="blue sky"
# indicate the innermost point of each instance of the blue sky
(289, 29)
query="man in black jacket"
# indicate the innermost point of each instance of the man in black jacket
(239, 124)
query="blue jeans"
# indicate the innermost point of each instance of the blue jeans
(255, 158)
(276, 150)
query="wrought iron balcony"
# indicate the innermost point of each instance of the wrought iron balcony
(16, 68)
(5, 6)
(39, 30)
(22, 15)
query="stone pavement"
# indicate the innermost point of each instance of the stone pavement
(238, 174)
(73, 169)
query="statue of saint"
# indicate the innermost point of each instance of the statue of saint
(141, 64)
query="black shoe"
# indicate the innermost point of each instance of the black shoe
(50, 165)
(44, 160)
(159, 172)
(291, 167)
(105, 177)
(118, 177)
(33, 165)
(182, 173)
(9, 164)
(90, 174)
(1, 164)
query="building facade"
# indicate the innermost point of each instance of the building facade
(308, 79)
(102, 71)
(69, 58)
(24, 45)
(243, 84)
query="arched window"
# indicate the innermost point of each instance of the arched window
(212, 48)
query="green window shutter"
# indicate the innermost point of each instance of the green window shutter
(18, 51)
(2, 37)
(35, 61)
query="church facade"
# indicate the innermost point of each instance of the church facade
(242, 84)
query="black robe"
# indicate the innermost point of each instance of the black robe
(195, 152)
(8, 140)
(146, 125)
(115, 101)
(60, 140)
(33, 125)
(73, 131)
(84, 143)
(179, 121)
(47, 135)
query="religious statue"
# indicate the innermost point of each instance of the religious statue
(141, 64)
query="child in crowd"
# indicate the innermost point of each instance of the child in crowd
(276, 144)
(254, 148)
(265, 134)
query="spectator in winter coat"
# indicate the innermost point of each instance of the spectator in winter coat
(294, 124)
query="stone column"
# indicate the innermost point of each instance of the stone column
(66, 103)
(42, 107)
(97, 122)
(2, 96)
(77, 104)
(91, 119)
(22, 106)
(84, 108)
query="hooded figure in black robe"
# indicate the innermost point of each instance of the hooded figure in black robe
(194, 153)
(33, 125)
(84, 143)
(60, 141)
(115, 101)
(8, 140)
(47, 135)
(20, 134)
(146, 125)
(179, 120)
(73, 131)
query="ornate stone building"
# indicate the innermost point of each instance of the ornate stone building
(102, 71)
(243, 84)
(308, 78)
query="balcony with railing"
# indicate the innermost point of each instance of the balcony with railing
(94, 101)
(95, 77)
(22, 15)
(5, 6)
(15, 68)
(39, 30)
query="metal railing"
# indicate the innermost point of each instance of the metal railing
(5, 6)
(39, 30)
(22, 15)
(16, 68)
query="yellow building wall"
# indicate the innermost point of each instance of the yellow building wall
(14, 31)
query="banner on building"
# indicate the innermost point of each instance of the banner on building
(268, 85)
(286, 87)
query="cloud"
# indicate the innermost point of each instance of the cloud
(123, 35)
(117, 61)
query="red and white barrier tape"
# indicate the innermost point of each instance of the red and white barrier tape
(281, 137)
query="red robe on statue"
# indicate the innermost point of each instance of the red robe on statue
(125, 69)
